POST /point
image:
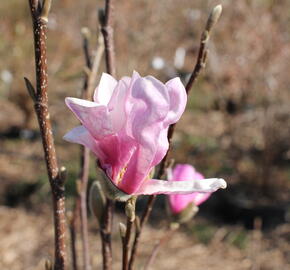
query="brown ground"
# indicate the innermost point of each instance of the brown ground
(23, 248)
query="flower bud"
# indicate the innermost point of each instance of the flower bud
(97, 201)
(130, 208)
(122, 229)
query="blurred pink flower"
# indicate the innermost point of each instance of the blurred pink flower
(185, 172)
(126, 128)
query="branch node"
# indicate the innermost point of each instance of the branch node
(30, 89)
(45, 10)
(102, 16)
(62, 175)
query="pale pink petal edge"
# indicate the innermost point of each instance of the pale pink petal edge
(153, 186)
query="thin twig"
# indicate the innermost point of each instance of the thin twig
(200, 63)
(85, 162)
(81, 201)
(39, 13)
(96, 65)
(131, 216)
(106, 22)
(126, 244)
(84, 174)
(73, 233)
(165, 239)
(105, 232)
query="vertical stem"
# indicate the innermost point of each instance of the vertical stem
(105, 231)
(126, 245)
(106, 21)
(108, 32)
(85, 159)
(39, 18)
(73, 233)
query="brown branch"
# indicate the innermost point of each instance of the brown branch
(84, 177)
(131, 215)
(200, 63)
(82, 183)
(106, 21)
(126, 244)
(105, 232)
(56, 178)
(73, 218)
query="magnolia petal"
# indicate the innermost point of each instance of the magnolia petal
(93, 116)
(180, 187)
(185, 172)
(117, 106)
(105, 89)
(162, 148)
(151, 104)
(81, 136)
(178, 100)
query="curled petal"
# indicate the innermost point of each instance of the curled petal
(81, 136)
(105, 89)
(146, 123)
(180, 187)
(178, 99)
(93, 116)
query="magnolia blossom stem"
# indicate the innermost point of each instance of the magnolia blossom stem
(200, 64)
(39, 12)
(126, 244)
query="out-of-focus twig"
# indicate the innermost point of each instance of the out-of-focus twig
(82, 182)
(200, 63)
(73, 220)
(105, 231)
(39, 13)
(203, 51)
(106, 22)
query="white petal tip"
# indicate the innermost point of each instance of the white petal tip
(221, 183)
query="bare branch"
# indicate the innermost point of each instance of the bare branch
(40, 97)
(105, 232)
(106, 21)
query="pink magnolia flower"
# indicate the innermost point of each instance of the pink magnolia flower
(186, 172)
(126, 128)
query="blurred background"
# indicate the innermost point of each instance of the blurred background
(236, 126)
